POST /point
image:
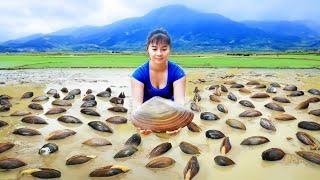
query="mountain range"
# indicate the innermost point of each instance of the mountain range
(190, 31)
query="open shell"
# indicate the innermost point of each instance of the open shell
(161, 115)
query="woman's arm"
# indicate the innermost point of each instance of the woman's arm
(137, 93)
(179, 90)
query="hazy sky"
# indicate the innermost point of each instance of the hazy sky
(24, 17)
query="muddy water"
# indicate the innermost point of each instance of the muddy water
(248, 160)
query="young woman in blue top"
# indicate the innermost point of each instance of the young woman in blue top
(158, 76)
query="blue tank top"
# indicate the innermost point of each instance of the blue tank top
(142, 74)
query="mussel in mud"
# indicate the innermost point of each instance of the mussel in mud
(89, 91)
(160, 149)
(161, 115)
(223, 88)
(307, 139)
(4, 108)
(89, 97)
(313, 100)
(97, 142)
(60, 102)
(274, 106)
(260, 95)
(27, 95)
(11, 163)
(20, 113)
(208, 116)
(310, 156)
(193, 127)
(61, 134)
(281, 99)
(79, 159)
(69, 97)
(314, 91)
(196, 97)
(108, 171)
(91, 103)
(189, 148)
(134, 140)
(55, 110)
(309, 125)
(26, 132)
(35, 106)
(100, 126)
(89, 112)
(64, 89)
(315, 112)
(117, 120)
(232, 97)
(69, 119)
(3, 123)
(237, 85)
(296, 93)
(223, 161)
(118, 109)
(246, 103)
(34, 120)
(273, 154)
(303, 105)
(255, 140)
(5, 146)
(126, 152)
(161, 162)
(267, 124)
(116, 100)
(250, 113)
(214, 134)
(43, 173)
(284, 117)
(104, 94)
(214, 98)
(75, 92)
(271, 89)
(260, 86)
(122, 95)
(222, 108)
(225, 146)
(48, 149)
(52, 91)
(40, 98)
(245, 90)
(56, 95)
(192, 168)
(236, 124)
(290, 88)
(195, 107)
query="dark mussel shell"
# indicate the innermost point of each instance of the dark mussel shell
(273, 154)
(160, 149)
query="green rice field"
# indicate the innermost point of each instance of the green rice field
(28, 61)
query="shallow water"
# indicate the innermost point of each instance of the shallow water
(248, 160)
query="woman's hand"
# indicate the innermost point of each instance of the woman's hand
(174, 132)
(145, 131)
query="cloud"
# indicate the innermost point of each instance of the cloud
(24, 17)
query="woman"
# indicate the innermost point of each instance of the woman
(158, 76)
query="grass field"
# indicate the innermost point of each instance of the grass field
(26, 61)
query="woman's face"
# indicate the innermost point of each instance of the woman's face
(159, 53)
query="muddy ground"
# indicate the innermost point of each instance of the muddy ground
(248, 160)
